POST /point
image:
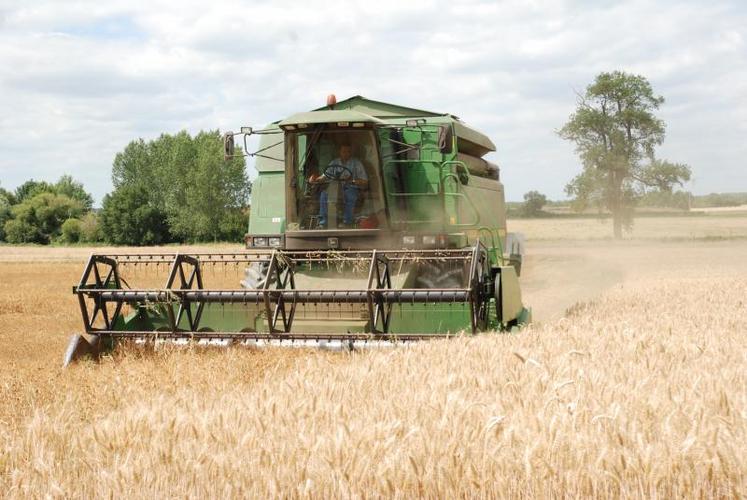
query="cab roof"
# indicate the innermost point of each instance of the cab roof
(396, 114)
(362, 109)
(329, 116)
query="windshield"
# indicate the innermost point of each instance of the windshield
(334, 179)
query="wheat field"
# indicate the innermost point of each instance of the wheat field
(638, 389)
(709, 226)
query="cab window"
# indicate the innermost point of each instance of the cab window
(334, 179)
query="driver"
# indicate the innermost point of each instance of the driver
(352, 174)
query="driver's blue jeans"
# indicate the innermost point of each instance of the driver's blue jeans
(349, 197)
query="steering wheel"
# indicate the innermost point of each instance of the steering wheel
(338, 173)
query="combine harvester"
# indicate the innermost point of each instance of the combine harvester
(371, 223)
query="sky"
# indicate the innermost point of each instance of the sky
(80, 79)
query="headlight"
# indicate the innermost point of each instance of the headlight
(274, 241)
(408, 240)
(260, 242)
(429, 241)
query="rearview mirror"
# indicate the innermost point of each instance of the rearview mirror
(228, 146)
(444, 139)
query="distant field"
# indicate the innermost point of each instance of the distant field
(740, 209)
(31, 253)
(715, 226)
(630, 383)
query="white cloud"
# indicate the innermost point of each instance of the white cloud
(78, 80)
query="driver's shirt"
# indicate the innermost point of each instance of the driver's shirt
(352, 164)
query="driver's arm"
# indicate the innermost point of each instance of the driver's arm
(322, 178)
(360, 179)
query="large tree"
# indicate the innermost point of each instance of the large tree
(533, 203)
(616, 131)
(71, 188)
(127, 218)
(214, 194)
(186, 179)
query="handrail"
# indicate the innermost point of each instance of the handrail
(422, 128)
(459, 163)
(441, 191)
(498, 249)
(490, 233)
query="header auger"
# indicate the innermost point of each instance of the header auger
(371, 224)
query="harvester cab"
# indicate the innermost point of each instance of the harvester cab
(370, 223)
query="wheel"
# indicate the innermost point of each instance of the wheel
(337, 172)
(255, 275)
(440, 275)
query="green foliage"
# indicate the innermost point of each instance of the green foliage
(90, 230)
(67, 186)
(71, 231)
(720, 200)
(127, 218)
(5, 212)
(8, 196)
(22, 231)
(663, 175)
(234, 224)
(533, 203)
(616, 132)
(39, 219)
(679, 200)
(187, 181)
(31, 188)
(212, 196)
(175, 188)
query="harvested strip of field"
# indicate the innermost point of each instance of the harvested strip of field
(642, 393)
(714, 226)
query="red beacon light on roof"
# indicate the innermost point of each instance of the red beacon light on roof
(331, 100)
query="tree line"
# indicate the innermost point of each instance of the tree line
(176, 188)
(41, 212)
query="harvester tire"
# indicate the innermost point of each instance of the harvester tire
(255, 275)
(438, 275)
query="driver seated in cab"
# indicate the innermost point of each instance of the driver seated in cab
(351, 173)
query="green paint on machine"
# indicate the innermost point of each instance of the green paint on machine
(369, 221)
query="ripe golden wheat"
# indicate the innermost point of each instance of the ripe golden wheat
(642, 393)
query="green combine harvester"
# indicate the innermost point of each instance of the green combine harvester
(370, 223)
